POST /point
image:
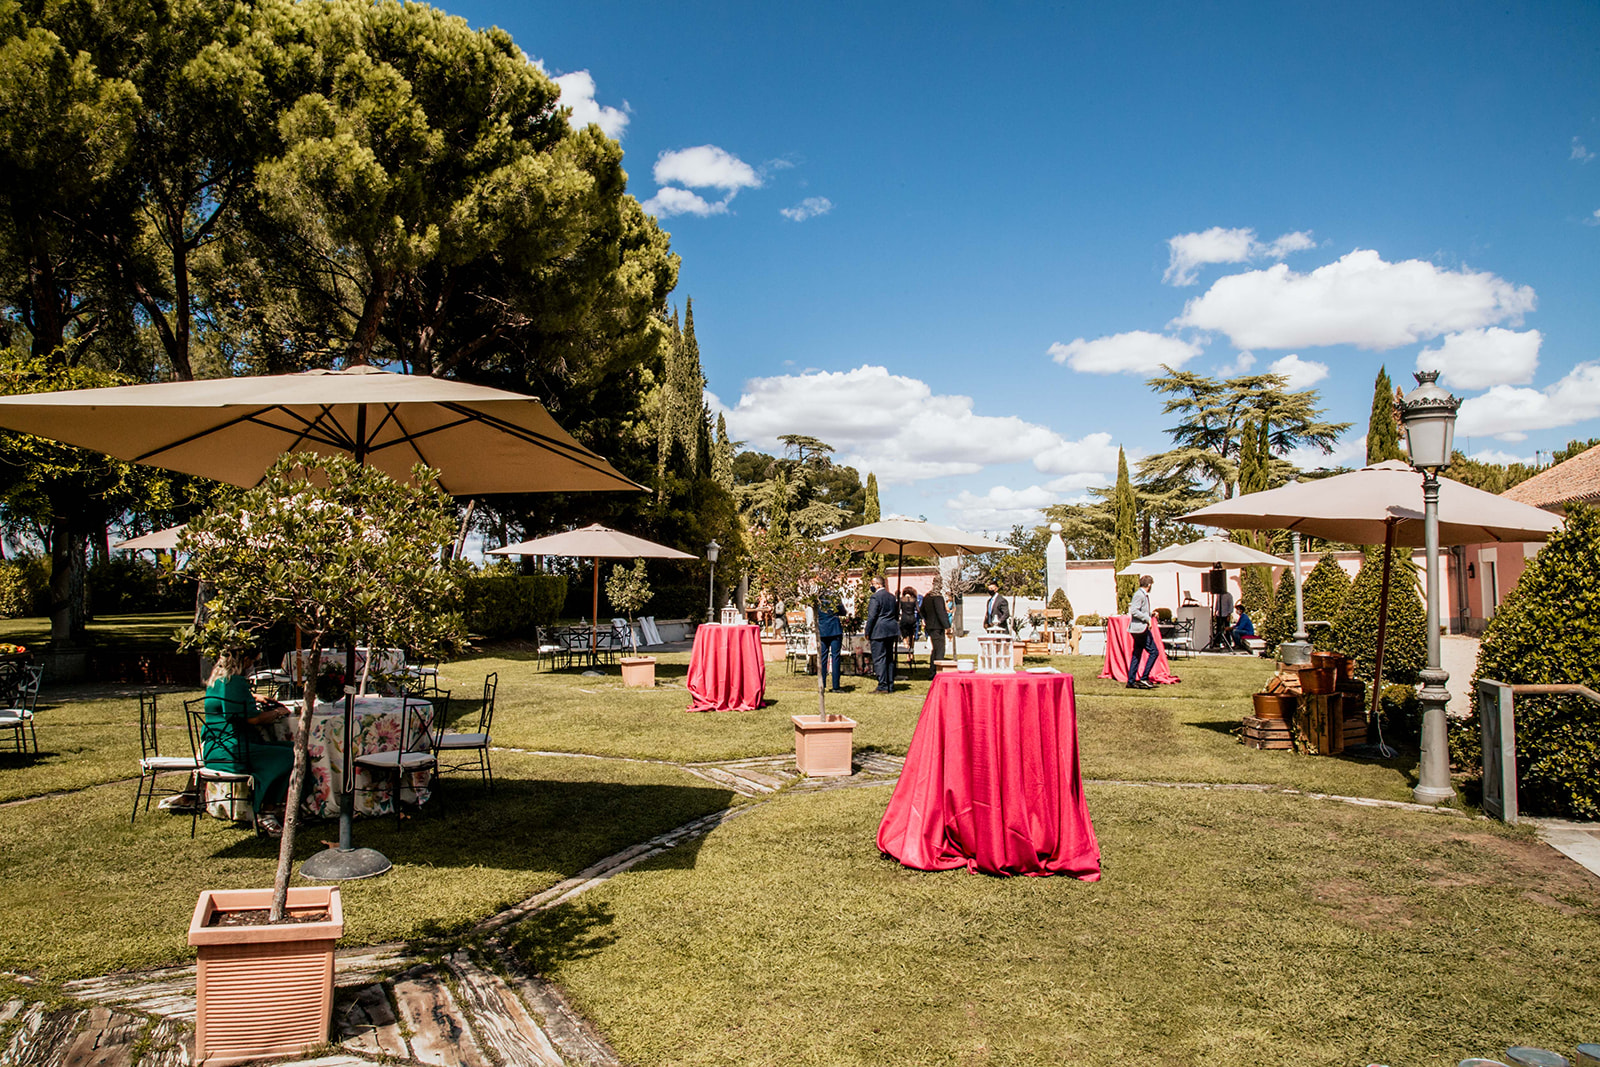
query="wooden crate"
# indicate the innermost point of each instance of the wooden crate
(1319, 725)
(1265, 733)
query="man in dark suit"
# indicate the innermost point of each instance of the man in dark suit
(935, 620)
(883, 630)
(996, 612)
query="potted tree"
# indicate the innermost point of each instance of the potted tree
(802, 571)
(629, 590)
(344, 553)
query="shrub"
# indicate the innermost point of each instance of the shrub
(1355, 628)
(129, 585)
(1323, 594)
(1546, 632)
(500, 605)
(16, 598)
(1091, 620)
(1164, 614)
(1059, 602)
(1277, 626)
(1255, 593)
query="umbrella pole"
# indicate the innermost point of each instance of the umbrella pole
(1383, 630)
(594, 625)
(346, 862)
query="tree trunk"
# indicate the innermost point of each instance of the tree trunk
(297, 778)
(366, 335)
(67, 550)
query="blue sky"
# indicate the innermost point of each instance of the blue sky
(954, 239)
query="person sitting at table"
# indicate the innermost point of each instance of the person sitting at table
(230, 707)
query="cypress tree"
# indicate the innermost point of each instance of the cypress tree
(1324, 593)
(1355, 628)
(722, 456)
(1383, 430)
(1127, 532)
(690, 387)
(872, 563)
(1278, 626)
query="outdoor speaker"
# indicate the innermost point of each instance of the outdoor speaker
(1216, 581)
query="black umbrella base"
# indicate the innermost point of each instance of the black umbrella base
(345, 865)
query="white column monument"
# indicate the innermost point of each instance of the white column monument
(1055, 564)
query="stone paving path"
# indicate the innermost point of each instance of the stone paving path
(474, 1005)
(399, 1003)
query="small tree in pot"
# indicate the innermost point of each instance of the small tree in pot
(628, 589)
(799, 571)
(339, 550)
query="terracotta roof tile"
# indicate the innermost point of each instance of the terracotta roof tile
(1576, 479)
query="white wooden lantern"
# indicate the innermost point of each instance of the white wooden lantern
(994, 653)
(732, 616)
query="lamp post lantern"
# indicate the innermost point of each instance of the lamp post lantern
(1428, 417)
(712, 551)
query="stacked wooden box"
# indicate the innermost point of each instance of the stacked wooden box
(1352, 701)
(1263, 733)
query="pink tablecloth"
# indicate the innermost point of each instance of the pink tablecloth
(725, 669)
(991, 781)
(1119, 650)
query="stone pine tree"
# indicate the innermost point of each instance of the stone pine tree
(1127, 532)
(1355, 628)
(1383, 429)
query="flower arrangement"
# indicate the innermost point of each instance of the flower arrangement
(330, 681)
(12, 650)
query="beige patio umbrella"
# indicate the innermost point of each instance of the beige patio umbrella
(1380, 504)
(1213, 551)
(161, 540)
(914, 537)
(481, 440)
(599, 542)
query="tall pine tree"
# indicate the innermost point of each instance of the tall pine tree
(1383, 429)
(1127, 532)
(872, 563)
(722, 456)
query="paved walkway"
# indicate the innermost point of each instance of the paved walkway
(474, 1004)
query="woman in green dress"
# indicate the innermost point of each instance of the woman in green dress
(227, 745)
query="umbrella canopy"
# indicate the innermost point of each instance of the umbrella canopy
(1207, 552)
(166, 540)
(232, 429)
(600, 542)
(912, 537)
(1380, 503)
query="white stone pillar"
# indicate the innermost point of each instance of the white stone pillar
(1055, 563)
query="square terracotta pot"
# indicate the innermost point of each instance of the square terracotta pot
(639, 672)
(823, 749)
(773, 649)
(263, 992)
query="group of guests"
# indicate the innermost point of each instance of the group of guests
(889, 621)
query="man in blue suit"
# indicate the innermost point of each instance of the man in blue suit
(883, 630)
(830, 635)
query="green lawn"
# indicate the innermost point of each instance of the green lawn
(1228, 929)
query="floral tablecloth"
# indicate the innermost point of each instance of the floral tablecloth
(385, 661)
(376, 725)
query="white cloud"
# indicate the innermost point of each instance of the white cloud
(1350, 452)
(577, 93)
(705, 167)
(1135, 352)
(899, 429)
(1301, 373)
(1509, 411)
(1241, 365)
(1084, 462)
(1479, 359)
(1579, 152)
(672, 201)
(1001, 507)
(1188, 252)
(1496, 455)
(809, 208)
(1356, 300)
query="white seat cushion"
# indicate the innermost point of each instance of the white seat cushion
(168, 763)
(464, 741)
(15, 713)
(221, 776)
(388, 761)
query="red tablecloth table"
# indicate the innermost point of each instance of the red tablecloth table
(1119, 650)
(991, 781)
(726, 672)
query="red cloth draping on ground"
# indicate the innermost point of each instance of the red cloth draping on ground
(991, 781)
(1119, 650)
(726, 672)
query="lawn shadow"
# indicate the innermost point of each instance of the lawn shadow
(574, 930)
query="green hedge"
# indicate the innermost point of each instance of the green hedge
(507, 606)
(1355, 628)
(1059, 602)
(132, 585)
(1547, 631)
(1322, 595)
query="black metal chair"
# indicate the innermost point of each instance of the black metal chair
(18, 718)
(475, 742)
(396, 763)
(227, 741)
(152, 764)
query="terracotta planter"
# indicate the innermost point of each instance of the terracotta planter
(263, 992)
(1273, 705)
(773, 649)
(639, 671)
(1332, 661)
(823, 749)
(1018, 651)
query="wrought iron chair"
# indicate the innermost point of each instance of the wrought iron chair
(224, 740)
(399, 762)
(475, 742)
(18, 718)
(152, 763)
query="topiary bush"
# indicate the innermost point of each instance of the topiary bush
(502, 605)
(1324, 593)
(1255, 593)
(1547, 631)
(1059, 602)
(1277, 626)
(1355, 628)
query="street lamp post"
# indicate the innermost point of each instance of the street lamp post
(712, 551)
(1428, 417)
(1298, 651)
